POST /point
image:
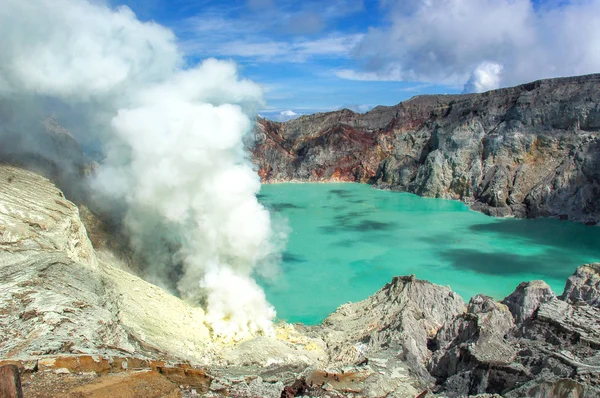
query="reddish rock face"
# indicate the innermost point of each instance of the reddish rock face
(525, 151)
(185, 376)
(336, 152)
(79, 363)
(346, 382)
(133, 384)
(10, 382)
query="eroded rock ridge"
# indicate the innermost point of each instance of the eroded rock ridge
(524, 151)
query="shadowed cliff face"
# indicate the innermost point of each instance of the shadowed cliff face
(527, 151)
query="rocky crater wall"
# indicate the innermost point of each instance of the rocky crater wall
(525, 151)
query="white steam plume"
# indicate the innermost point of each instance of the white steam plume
(485, 77)
(172, 137)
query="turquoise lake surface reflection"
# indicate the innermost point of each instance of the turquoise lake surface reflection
(348, 240)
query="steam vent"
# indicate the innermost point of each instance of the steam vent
(204, 199)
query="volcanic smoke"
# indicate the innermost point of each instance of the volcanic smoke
(172, 139)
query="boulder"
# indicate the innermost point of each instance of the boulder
(527, 298)
(389, 330)
(471, 350)
(584, 285)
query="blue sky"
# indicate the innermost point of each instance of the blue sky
(322, 55)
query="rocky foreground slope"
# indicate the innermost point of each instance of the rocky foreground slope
(73, 323)
(526, 151)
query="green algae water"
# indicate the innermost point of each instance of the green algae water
(348, 240)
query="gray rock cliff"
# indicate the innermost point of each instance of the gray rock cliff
(524, 151)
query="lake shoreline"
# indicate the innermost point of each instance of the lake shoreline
(467, 201)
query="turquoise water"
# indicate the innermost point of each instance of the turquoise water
(348, 240)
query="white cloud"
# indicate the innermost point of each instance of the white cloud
(280, 115)
(293, 17)
(340, 8)
(306, 22)
(266, 50)
(383, 76)
(335, 44)
(297, 50)
(360, 108)
(484, 78)
(276, 34)
(450, 42)
(103, 50)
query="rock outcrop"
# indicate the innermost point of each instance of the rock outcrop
(525, 151)
(391, 326)
(550, 349)
(527, 298)
(51, 296)
(470, 343)
(413, 335)
(584, 285)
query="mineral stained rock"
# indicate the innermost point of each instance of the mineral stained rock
(51, 295)
(58, 296)
(525, 151)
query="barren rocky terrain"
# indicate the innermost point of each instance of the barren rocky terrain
(74, 323)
